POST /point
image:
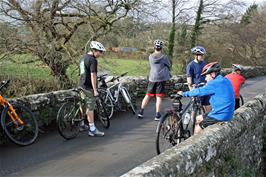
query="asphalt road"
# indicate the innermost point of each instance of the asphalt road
(127, 143)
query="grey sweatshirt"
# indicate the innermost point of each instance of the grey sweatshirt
(160, 67)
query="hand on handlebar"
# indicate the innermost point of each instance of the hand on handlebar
(180, 93)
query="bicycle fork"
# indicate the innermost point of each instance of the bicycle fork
(14, 116)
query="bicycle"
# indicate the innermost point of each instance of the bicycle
(17, 121)
(177, 124)
(73, 112)
(241, 100)
(112, 98)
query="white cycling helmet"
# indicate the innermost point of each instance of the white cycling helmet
(198, 50)
(158, 43)
(97, 46)
(237, 67)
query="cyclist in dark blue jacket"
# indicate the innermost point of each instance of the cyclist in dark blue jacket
(221, 97)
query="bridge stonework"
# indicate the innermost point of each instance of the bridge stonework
(221, 149)
(231, 149)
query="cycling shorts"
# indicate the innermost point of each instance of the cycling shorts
(207, 121)
(156, 89)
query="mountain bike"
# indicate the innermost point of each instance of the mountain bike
(17, 121)
(177, 124)
(73, 112)
(116, 95)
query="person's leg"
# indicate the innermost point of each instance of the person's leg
(146, 99)
(206, 104)
(204, 121)
(197, 129)
(90, 101)
(159, 98)
(144, 103)
(237, 103)
(159, 101)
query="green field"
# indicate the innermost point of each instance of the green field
(20, 66)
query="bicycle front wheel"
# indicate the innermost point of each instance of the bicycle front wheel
(20, 134)
(101, 113)
(169, 132)
(68, 119)
(128, 100)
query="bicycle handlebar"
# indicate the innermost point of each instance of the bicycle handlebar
(117, 77)
(175, 96)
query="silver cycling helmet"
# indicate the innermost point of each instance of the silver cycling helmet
(237, 67)
(158, 43)
(198, 50)
(97, 46)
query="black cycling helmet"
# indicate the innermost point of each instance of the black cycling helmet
(211, 67)
(198, 50)
(237, 67)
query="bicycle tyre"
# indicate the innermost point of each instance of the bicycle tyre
(194, 114)
(102, 114)
(68, 119)
(241, 100)
(22, 135)
(109, 106)
(128, 100)
(169, 132)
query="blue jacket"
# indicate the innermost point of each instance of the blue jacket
(222, 97)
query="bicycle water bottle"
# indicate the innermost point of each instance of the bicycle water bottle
(116, 93)
(186, 118)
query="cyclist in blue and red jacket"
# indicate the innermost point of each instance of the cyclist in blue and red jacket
(222, 98)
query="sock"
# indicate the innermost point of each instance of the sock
(141, 111)
(158, 114)
(92, 127)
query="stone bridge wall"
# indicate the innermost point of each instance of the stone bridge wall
(232, 149)
(46, 105)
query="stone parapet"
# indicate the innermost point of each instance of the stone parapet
(231, 149)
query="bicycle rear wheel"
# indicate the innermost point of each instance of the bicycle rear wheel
(169, 132)
(68, 119)
(101, 113)
(24, 134)
(109, 106)
(128, 100)
(241, 100)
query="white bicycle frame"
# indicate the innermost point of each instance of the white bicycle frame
(121, 90)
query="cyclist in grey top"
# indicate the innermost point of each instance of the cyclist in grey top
(159, 74)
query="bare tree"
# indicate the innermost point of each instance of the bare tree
(49, 25)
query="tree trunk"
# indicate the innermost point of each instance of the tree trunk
(172, 34)
(58, 65)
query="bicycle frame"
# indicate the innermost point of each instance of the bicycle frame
(119, 89)
(12, 113)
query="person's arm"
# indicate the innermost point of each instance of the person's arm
(189, 82)
(189, 72)
(94, 83)
(93, 69)
(208, 89)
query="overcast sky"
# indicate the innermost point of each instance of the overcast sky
(249, 2)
